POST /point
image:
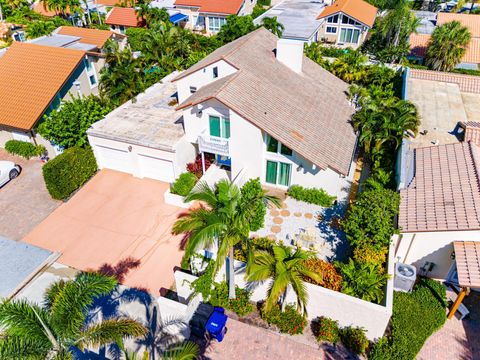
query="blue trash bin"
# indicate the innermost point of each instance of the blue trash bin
(216, 324)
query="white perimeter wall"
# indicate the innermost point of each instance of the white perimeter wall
(436, 247)
(347, 310)
(248, 151)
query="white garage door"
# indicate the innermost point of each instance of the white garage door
(156, 168)
(114, 159)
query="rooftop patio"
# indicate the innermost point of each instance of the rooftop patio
(309, 226)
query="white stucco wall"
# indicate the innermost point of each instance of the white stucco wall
(202, 77)
(436, 247)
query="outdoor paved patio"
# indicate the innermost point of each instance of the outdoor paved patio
(296, 217)
(24, 201)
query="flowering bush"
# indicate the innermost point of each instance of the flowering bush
(326, 329)
(331, 279)
(288, 321)
(196, 166)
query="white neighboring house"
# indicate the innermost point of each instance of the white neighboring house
(144, 137)
(264, 109)
(440, 203)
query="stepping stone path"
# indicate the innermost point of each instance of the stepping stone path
(278, 220)
(308, 216)
(274, 212)
(276, 229)
(285, 213)
(284, 206)
(297, 214)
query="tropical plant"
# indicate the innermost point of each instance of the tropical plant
(225, 220)
(30, 331)
(285, 268)
(184, 184)
(326, 329)
(39, 28)
(235, 27)
(63, 7)
(272, 25)
(354, 339)
(68, 125)
(287, 320)
(363, 281)
(151, 15)
(256, 243)
(349, 67)
(447, 46)
(366, 254)
(252, 197)
(329, 276)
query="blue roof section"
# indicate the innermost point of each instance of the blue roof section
(178, 17)
(18, 262)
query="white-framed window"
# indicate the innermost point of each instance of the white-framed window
(278, 173)
(349, 36)
(215, 72)
(215, 23)
(92, 80)
(332, 19)
(219, 126)
(331, 30)
(276, 147)
(91, 73)
(348, 20)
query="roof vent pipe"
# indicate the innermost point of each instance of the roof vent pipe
(290, 53)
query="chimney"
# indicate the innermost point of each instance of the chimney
(290, 53)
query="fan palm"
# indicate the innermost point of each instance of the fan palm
(225, 221)
(285, 268)
(272, 25)
(54, 330)
(447, 46)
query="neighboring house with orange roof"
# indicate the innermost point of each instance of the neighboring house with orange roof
(471, 60)
(40, 7)
(208, 16)
(120, 19)
(92, 36)
(34, 79)
(347, 22)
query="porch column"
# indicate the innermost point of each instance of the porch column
(203, 163)
(457, 302)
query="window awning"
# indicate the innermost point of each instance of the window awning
(178, 17)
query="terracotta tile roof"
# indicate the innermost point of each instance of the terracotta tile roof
(358, 9)
(444, 194)
(467, 259)
(108, 2)
(87, 36)
(213, 6)
(30, 77)
(471, 21)
(419, 44)
(308, 112)
(466, 83)
(123, 16)
(41, 8)
(472, 132)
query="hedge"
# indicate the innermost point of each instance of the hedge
(415, 317)
(68, 171)
(311, 195)
(24, 149)
(184, 184)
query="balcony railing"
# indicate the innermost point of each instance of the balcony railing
(214, 145)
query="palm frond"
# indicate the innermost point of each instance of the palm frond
(185, 351)
(21, 347)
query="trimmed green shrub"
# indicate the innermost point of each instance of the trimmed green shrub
(370, 221)
(368, 255)
(311, 195)
(415, 317)
(252, 193)
(24, 149)
(354, 339)
(68, 171)
(184, 184)
(256, 243)
(326, 329)
(241, 305)
(288, 321)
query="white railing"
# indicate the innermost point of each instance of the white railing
(214, 145)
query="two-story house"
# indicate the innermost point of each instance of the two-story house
(264, 109)
(34, 79)
(208, 16)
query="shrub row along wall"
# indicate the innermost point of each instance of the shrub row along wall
(347, 310)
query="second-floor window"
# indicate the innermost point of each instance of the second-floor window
(331, 30)
(215, 23)
(275, 146)
(332, 19)
(219, 126)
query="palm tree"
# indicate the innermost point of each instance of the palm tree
(447, 46)
(225, 221)
(285, 268)
(350, 67)
(272, 25)
(56, 329)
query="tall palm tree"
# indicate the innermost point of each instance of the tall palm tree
(285, 268)
(53, 331)
(350, 67)
(224, 220)
(447, 46)
(272, 25)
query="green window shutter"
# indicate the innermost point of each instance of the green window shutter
(225, 128)
(272, 144)
(271, 176)
(284, 178)
(214, 126)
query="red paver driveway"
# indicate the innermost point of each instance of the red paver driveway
(115, 216)
(25, 201)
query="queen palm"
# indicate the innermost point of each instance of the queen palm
(447, 46)
(285, 268)
(55, 330)
(272, 25)
(224, 220)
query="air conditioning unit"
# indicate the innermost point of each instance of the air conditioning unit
(405, 276)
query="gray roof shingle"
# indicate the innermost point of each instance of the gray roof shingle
(308, 112)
